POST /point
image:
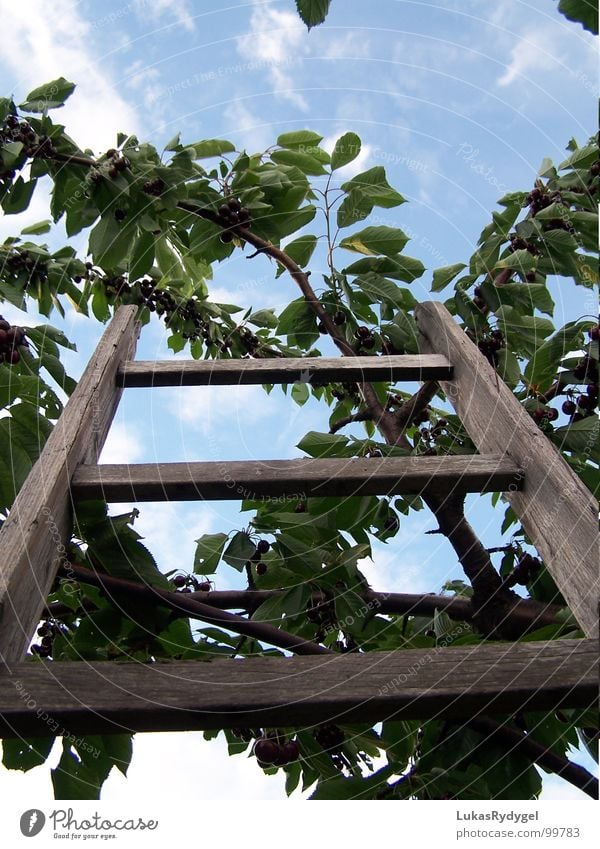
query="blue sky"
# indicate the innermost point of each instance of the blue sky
(460, 101)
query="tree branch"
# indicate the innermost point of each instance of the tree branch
(361, 416)
(492, 601)
(518, 741)
(183, 604)
(527, 614)
(415, 405)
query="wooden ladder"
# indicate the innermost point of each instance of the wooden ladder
(555, 508)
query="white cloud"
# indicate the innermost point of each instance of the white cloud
(536, 50)
(191, 769)
(208, 407)
(122, 445)
(43, 46)
(276, 39)
(253, 133)
(154, 10)
(350, 45)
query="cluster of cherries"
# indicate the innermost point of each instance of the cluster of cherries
(189, 583)
(270, 750)
(426, 437)
(489, 342)
(321, 612)
(19, 261)
(341, 391)
(231, 215)
(526, 570)
(262, 547)
(330, 737)
(47, 631)
(365, 340)
(11, 337)
(17, 130)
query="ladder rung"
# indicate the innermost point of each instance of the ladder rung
(412, 684)
(305, 370)
(294, 479)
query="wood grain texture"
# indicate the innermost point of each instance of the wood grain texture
(39, 523)
(556, 509)
(279, 370)
(417, 684)
(294, 479)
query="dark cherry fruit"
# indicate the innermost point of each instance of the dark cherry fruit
(291, 751)
(263, 546)
(266, 751)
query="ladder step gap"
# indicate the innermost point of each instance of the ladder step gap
(295, 479)
(154, 373)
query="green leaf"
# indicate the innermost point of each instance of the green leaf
(346, 149)
(48, 96)
(46, 331)
(176, 342)
(15, 465)
(300, 250)
(208, 553)
(380, 289)
(313, 12)
(542, 367)
(239, 551)
(118, 748)
(299, 138)
(374, 185)
(37, 229)
(212, 147)
(263, 318)
(581, 436)
(109, 241)
(507, 366)
(74, 779)
(355, 207)
(100, 303)
(24, 754)
(56, 370)
(296, 158)
(376, 240)
(520, 260)
(142, 256)
(300, 393)
(173, 143)
(398, 267)
(292, 221)
(524, 333)
(18, 198)
(324, 444)
(299, 323)
(443, 276)
(582, 157)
